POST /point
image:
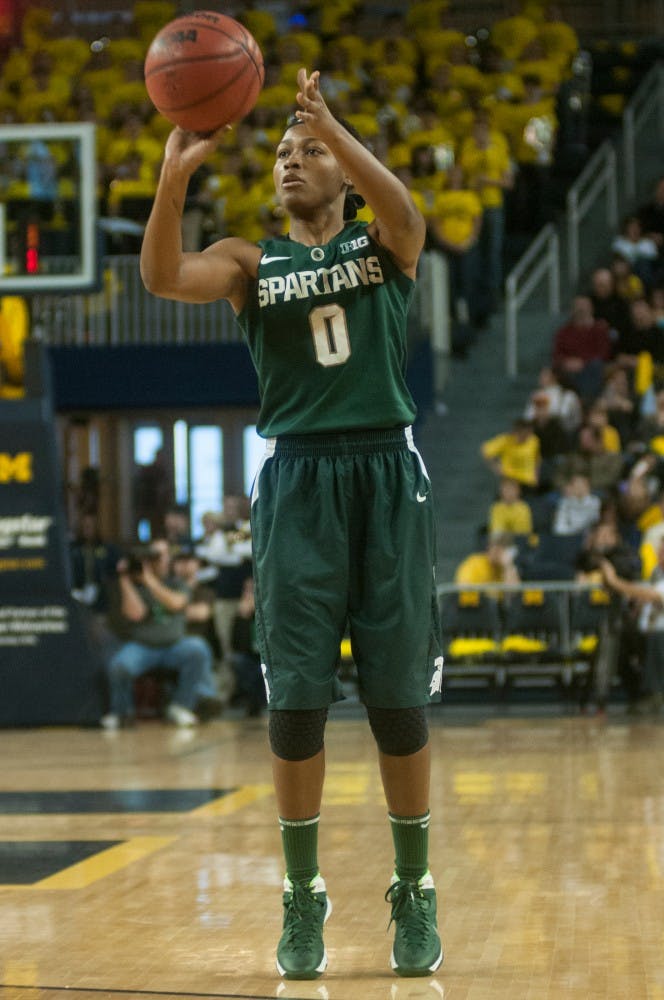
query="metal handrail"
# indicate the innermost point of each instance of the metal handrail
(567, 586)
(541, 259)
(647, 100)
(598, 176)
(123, 313)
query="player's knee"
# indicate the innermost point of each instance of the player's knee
(399, 732)
(297, 735)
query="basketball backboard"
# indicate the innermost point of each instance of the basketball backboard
(48, 208)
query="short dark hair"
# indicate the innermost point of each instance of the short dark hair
(353, 201)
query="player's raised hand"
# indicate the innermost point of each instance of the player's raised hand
(313, 111)
(187, 150)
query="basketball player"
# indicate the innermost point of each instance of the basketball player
(342, 519)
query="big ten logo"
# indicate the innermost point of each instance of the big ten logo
(16, 468)
(357, 244)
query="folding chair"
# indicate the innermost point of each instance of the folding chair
(470, 627)
(533, 626)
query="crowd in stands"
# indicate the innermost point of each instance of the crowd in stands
(173, 621)
(580, 473)
(470, 121)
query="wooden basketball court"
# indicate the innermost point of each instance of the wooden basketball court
(147, 863)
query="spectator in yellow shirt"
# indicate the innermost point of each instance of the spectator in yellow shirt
(513, 33)
(598, 416)
(510, 513)
(486, 162)
(516, 454)
(494, 565)
(454, 223)
(532, 126)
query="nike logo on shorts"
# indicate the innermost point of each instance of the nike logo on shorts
(420, 498)
(269, 260)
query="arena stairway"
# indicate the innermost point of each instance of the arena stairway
(479, 400)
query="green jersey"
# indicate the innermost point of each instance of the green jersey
(326, 328)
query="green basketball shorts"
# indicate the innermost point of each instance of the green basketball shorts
(343, 539)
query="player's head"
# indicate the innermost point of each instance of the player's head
(296, 141)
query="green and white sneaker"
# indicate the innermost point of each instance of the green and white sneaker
(417, 950)
(301, 953)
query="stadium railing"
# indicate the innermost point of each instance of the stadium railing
(122, 312)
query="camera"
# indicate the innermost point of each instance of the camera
(137, 558)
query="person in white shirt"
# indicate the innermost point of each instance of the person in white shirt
(640, 250)
(578, 509)
(562, 403)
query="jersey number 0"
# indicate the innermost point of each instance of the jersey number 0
(330, 332)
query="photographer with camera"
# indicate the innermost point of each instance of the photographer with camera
(151, 620)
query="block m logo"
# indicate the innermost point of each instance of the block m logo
(15, 468)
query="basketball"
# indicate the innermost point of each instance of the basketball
(204, 70)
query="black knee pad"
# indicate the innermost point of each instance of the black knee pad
(399, 731)
(297, 735)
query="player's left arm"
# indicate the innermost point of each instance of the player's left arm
(399, 225)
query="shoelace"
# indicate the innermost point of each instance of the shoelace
(408, 901)
(307, 912)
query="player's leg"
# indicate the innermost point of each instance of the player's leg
(395, 637)
(300, 613)
(405, 765)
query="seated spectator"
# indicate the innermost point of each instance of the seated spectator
(607, 304)
(657, 306)
(553, 440)
(563, 403)
(603, 541)
(628, 285)
(637, 492)
(245, 657)
(652, 533)
(648, 434)
(577, 509)
(515, 454)
(619, 403)
(150, 620)
(598, 416)
(510, 514)
(495, 565)
(640, 250)
(590, 458)
(581, 347)
(649, 361)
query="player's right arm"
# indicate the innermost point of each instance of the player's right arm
(221, 271)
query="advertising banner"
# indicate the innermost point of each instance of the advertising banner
(48, 671)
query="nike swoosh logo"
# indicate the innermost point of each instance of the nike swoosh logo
(420, 498)
(269, 260)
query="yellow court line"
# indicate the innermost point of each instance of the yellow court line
(84, 873)
(225, 805)
(652, 862)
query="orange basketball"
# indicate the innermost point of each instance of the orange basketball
(204, 70)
